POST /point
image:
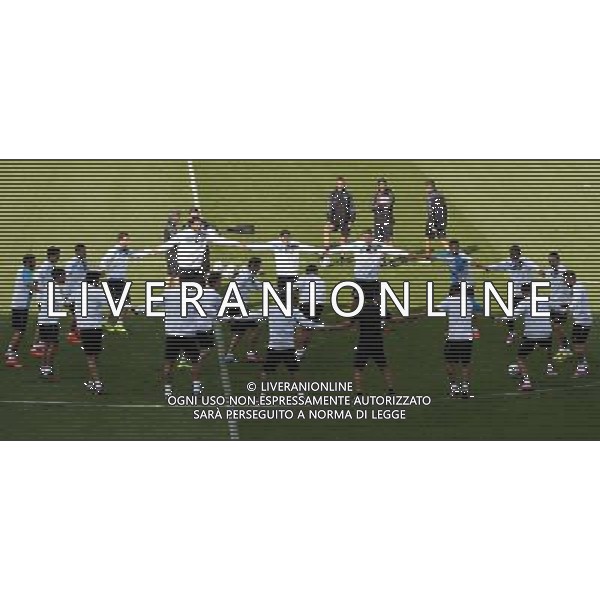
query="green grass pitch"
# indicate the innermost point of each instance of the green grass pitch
(543, 206)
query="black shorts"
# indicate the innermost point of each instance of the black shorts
(240, 326)
(283, 279)
(527, 346)
(175, 345)
(580, 333)
(91, 340)
(435, 231)
(195, 275)
(365, 353)
(341, 226)
(304, 308)
(370, 288)
(19, 318)
(172, 268)
(286, 356)
(458, 351)
(205, 340)
(558, 315)
(49, 333)
(116, 287)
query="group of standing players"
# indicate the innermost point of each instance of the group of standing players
(190, 338)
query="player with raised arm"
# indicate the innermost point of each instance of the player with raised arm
(537, 333)
(247, 282)
(287, 256)
(114, 266)
(49, 326)
(192, 245)
(341, 214)
(581, 312)
(520, 270)
(369, 256)
(458, 348)
(76, 270)
(20, 305)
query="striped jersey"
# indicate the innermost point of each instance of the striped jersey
(519, 271)
(536, 328)
(303, 285)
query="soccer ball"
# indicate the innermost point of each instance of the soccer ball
(513, 370)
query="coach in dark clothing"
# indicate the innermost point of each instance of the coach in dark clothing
(383, 211)
(341, 213)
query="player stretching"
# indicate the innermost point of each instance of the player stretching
(287, 256)
(49, 327)
(559, 302)
(459, 342)
(437, 216)
(581, 312)
(76, 270)
(90, 328)
(247, 282)
(341, 214)
(21, 302)
(520, 270)
(114, 265)
(43, 275)
(537, 333)
(303, 285)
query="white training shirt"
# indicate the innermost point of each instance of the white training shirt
(43, 274)
(303, 285)
(526, 272)
(116, 261)
(580, 305)
(21, 297)
(191, 246)
(459, 328)
(287, 255)
(536, 328)
(59, 303)
(175, 324)
(76, 270)
(282, 328)
(96, 305)
(560, 293)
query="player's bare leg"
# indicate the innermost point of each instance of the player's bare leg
(12, 352)
(582, 364)
(47, 367)
(94, 384)
(466, 379)
(525, 384)
(451, 371)
(389, 379)
(358, 372)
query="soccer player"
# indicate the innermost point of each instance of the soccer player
(114, 266)
(458, 348)
(303, 285)
(520, 270)
(48, 326)
(192, 245)
(537, 334)
(340, 214)
(559, 302)
(383, 211)
(369, 255)
(76, 270)
(247, 282)
(21, 301)
(287, 256)
(169, 232)
(579, 306)
(282, 344)
(43, 275)
(90, 328)
(437, 215)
